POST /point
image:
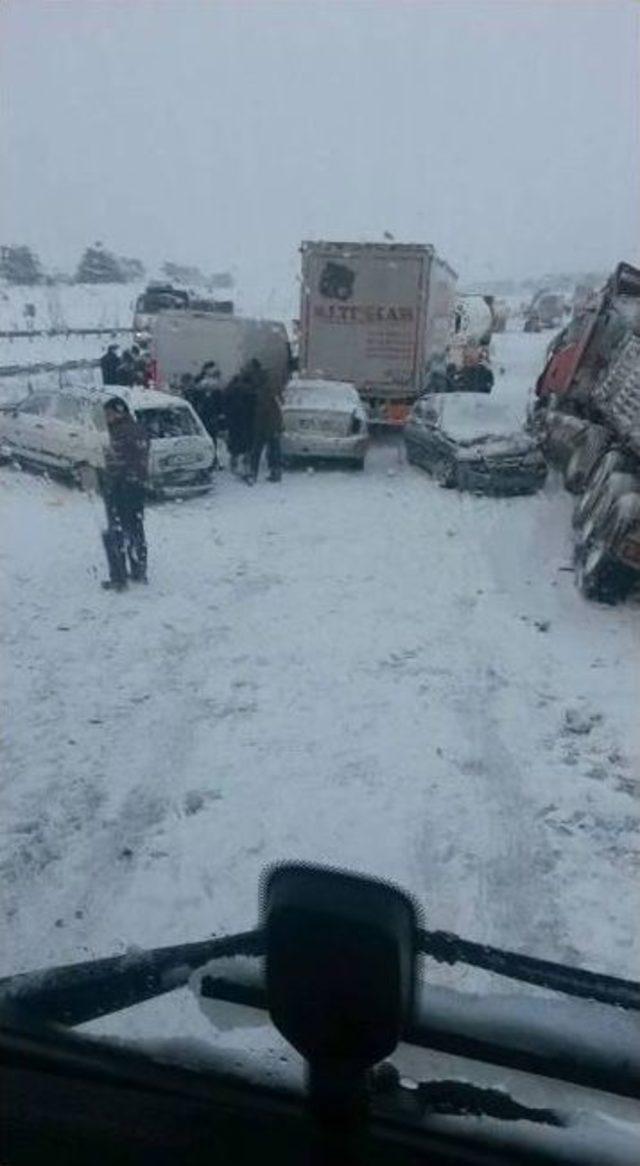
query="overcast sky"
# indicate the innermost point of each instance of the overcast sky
(222, 134)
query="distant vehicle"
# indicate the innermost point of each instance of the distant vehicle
(324, 419)
(183, 341)
(164, 297)
(584, 295)
(546, 310)
(499, 311)
(66, 432)
(157, 297)
(377, 315)
(473, 442)
(468, 360)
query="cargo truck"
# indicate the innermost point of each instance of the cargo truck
(183, 341)
(378, 315)
(587, 409)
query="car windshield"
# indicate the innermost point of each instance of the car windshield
(465, 416)
(174, 422)
(266, 606)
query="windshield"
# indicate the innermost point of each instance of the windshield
(175, 422)
(468, 415)
(304, 624)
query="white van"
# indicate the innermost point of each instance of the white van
(65, 431)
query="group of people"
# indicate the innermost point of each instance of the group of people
(133, 366)
(248, 410)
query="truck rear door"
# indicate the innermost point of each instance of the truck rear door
(361, 315)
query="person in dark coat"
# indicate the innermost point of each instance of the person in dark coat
(267, 425)
(239, 407)
(109, 365)
(123, 485)
(208, 402)
(126, 368)
(139, 366)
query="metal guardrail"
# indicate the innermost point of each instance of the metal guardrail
(27, 333)
(13, 370)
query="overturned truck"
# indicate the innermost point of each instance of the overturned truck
(587, 410)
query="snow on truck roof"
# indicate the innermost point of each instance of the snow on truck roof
(321, 394)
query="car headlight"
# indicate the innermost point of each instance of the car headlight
(356, 423)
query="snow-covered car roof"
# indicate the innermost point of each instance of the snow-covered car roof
(321, 394)
(136, 397)
(469, 417)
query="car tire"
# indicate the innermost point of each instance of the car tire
(410, 455)
(357, 463)
(600, 577)
(446, 474)
(77, 474)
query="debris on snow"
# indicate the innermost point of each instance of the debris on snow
(580, 721)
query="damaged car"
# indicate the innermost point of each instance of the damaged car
(324, 420)
(474, 442)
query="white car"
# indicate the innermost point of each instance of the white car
(65, 431)
(324, 419)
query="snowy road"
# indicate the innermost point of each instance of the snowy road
(361, 669)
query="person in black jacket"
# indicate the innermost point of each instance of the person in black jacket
(123, 487)
(239, 406)
(208, 403)
(267, 424)
(127, 368)
(109, 365)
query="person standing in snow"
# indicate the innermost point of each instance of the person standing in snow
(139, 366)
(208, 395)
(109, 365)
(123, 484)
(239, 406)
(126, 368)
(267, 425)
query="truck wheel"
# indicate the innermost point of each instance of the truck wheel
(611, 462)
(581, 509)
(600, 577)
(573, 474)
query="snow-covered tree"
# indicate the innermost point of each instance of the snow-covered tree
(100, 266)
(19, 265)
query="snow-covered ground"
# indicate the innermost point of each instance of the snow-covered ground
(67, 306)
(361, 669)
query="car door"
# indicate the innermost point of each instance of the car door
(74, 439)
(422, 430)
(26, 429)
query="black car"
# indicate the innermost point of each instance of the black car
(474, 442)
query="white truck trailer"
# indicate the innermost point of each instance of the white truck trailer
(378, 315)
(183, 341)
